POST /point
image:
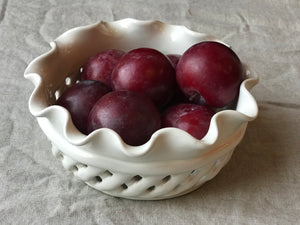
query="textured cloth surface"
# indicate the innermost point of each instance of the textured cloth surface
(259, 185)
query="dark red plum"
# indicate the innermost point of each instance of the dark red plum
(79, 100)
(146, 71)
(178, 97)
(100, 66)
(174, 58)
(192, 118)
(210, 73)
(132, 115)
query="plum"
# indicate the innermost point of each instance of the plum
(174, 58)
(132, 115)
(146, 71)
(79, 100)
(210, 73)
(100, 66)
(192, 118)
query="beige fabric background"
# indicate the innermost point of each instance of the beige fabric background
(260, 184)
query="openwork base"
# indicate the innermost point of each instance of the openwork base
(140, 186)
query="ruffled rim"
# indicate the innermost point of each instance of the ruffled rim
(223, 122)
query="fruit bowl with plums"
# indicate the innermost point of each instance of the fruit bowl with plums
(141, 109)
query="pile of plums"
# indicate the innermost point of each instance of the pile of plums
(140, 91)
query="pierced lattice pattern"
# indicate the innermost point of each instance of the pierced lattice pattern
(137, 186)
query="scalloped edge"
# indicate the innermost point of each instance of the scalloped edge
(74, 137)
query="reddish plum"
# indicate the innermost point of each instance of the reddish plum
(178, 97)
(192, 118)
(132, 115)
(79, 100)
(100, 66)
(147, 71)
(174, 58)
(210, 73)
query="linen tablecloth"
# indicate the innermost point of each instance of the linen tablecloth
(259, 185)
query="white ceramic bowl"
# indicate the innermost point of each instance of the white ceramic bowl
(172, 162)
